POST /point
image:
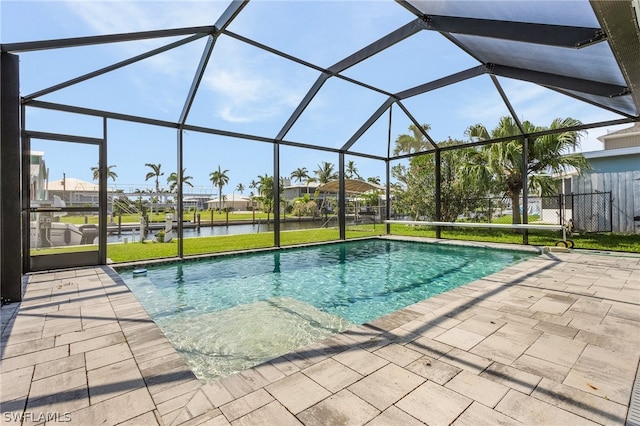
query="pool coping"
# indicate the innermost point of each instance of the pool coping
(205, 256)
(285, 389)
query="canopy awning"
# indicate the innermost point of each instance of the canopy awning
(351, 185)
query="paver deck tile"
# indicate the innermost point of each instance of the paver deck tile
(15, 383)
(482, 325)
(466, 360)
(584, 404)
(430, 347)
(460, 338)
(56, 328)
(115, 410)
(62, 402)
(399, 355)
(521, 317)
(361, 360)
(551, 304)
(532, 411)
(297, 392)
(400, 336)
(253, 378)
(552, 318)
(343, 408)
(434, 370)
(169, 359)
(197, 406)
(245, 405)
(434, 404)
(236, 385)
(147, 419)
(283, 365)
(386, 386)
(11, 350)
(606, 341)
(34, 358)
(556, 349)
(107, 355)
(271, 414)
(58, 366)
(217, 393)
(608, 361)
(178, 391)
(541, 368)
(96, 343)
(81, 335)
(423, 328)
(625, 311)
(332, 375)
(558, 330)
(477, 388)
(23, 333)
(304, 357)
(394, 416)
(160, 380)
(153, 352)
(176, 403)
(114, 379)
(477, 414)
(511, 377)
(500, 349)
(604, 385)
(269, 372)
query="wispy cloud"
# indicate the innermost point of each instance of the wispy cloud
(245, 96)
(106, 17)
(113, 17)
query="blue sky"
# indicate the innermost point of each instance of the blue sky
(248, 90)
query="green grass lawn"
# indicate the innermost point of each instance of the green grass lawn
(601, 241)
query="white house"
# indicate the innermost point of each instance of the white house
(231, 201)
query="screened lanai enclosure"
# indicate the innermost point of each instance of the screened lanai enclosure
(116, 113)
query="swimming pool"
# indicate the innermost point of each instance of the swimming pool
(228, 313)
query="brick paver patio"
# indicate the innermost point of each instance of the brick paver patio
(552, 340)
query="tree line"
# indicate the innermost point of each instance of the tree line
(495, 169)
(490, 170)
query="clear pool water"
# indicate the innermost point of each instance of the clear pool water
(229, 313)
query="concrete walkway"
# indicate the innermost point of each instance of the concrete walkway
(553, 340)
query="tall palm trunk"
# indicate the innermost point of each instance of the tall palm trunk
(515, 207)
(220, 197)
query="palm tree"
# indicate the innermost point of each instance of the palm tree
(240, 188)
(351, 170)
(374, 179)
(110, 173)
(219, 178)
(415, 142)
(498, 167)
(265, 193)
(156, 173)
(325, 172)
(172, 180)
(253, 185)
(300, 174)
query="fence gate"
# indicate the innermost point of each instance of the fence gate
(590, 212)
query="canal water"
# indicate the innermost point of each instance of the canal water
(231, 229)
